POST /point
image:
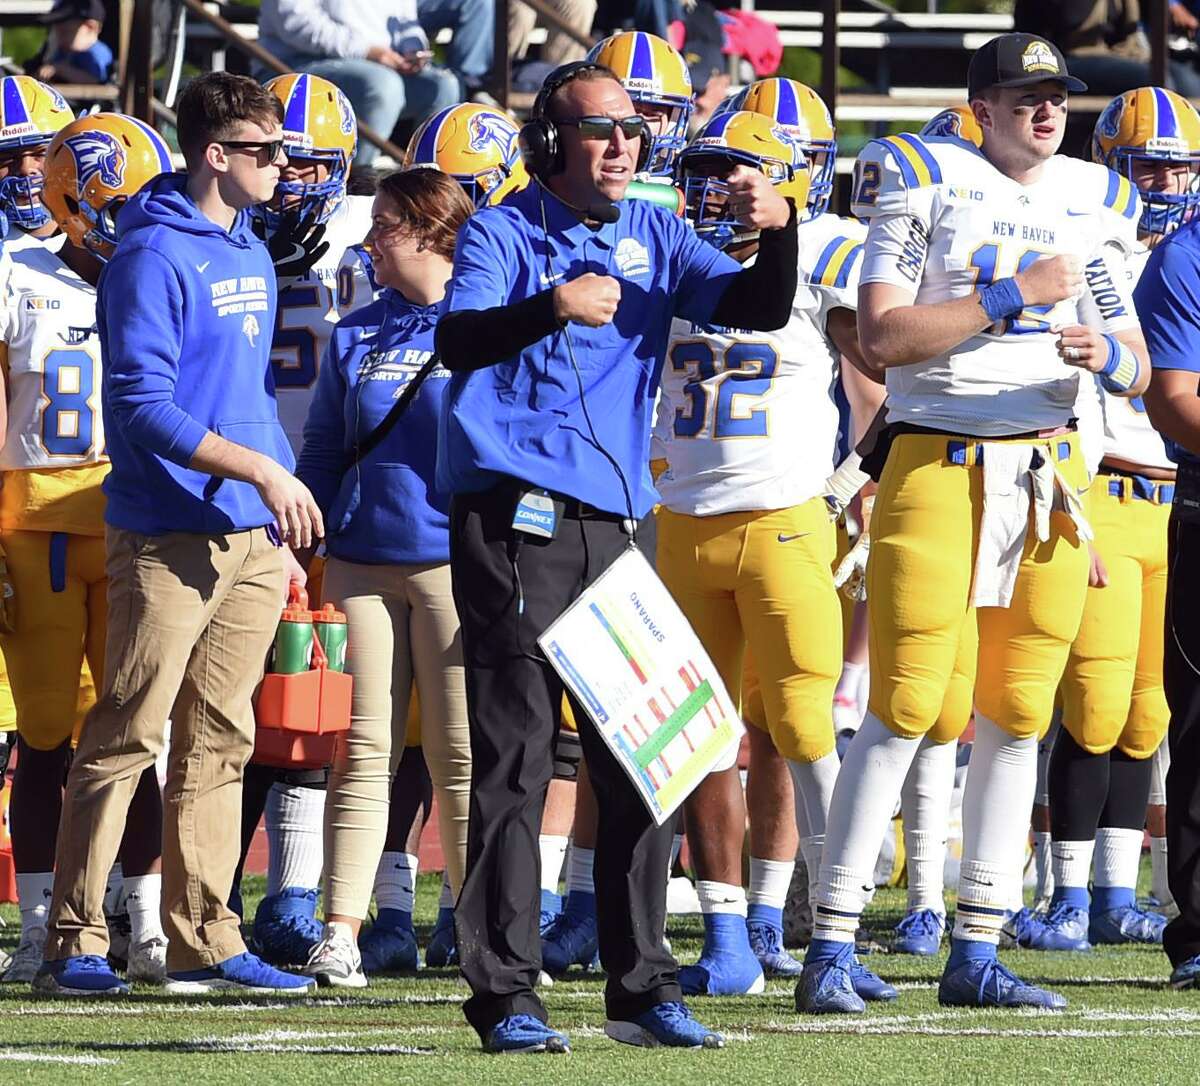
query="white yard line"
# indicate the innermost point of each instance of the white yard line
(47, 1057)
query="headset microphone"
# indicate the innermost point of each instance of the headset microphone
(604, 212)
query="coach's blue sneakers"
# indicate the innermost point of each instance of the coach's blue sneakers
(826, 985)
(286, 928)
(727, 965)
(766, 941)
(974, 977)
(920, 932)
(551, 906)
(1126, 924)
(1064, 927)
(665, 1025)
(390, 944)
(524, 1033)
(573, 938)
(82, 975)
(442, 951)
(242, 973)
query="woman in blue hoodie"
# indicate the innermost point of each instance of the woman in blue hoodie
(388, 548)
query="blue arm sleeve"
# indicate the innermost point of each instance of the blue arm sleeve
(323, 458)
(1167, 298)
(144, 321)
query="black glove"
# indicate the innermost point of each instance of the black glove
(295, 246)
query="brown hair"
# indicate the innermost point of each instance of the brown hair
(430, 203)
(212, 105)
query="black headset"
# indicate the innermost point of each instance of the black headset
(541, 148)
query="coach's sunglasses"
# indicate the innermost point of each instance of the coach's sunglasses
(602, 128)
(258, 148)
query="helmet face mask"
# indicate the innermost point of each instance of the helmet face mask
(31, 113)
(310, 199)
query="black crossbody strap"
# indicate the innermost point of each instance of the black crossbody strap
(367, 445)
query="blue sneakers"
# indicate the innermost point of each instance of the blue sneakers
(551, 907)
(242, 973)
(442, 951)
(984, 982)
(1184, 975)
(727, 965)
(1127, 924)
(83, 975)
(665, 1025)
(766, 941)
(920, 932)
(286, 928)
(524, 1033)
(572, 938)
(390, 944)
(827, 987)
(1064, 927)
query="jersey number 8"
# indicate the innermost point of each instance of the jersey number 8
(68, 378)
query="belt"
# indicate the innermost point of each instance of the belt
(573, 508)
(1128, 486)
(971, 453)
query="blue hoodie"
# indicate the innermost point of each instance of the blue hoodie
(185, 312)
(385, 508)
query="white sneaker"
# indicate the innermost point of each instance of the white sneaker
(148, 962)
(28, 958)
(335, 961)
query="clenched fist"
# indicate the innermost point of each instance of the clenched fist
(591, 299)
(1051, 280)
(753, 201)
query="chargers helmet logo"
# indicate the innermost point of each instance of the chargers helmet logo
(250, 328)
(485, 131)
(346, 114)
(97, 154)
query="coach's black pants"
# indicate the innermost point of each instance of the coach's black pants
(508, 588)
(1181, 678)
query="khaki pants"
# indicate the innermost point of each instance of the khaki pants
(190, 619)
(559, 48)
(401, 625)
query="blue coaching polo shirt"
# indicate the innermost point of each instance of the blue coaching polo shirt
(1167, 298)
(522, 417)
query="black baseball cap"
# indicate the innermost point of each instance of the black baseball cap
(1018, 60)
(74, 9)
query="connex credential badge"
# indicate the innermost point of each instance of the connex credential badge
(537, 513)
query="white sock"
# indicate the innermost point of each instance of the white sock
(720, 897)
(143, 902)
(1158, 872)
(1042, 846)
(553, 850)
(1118, 855)
(997, 802)
(811, 850)
(114, 890)
(446, 900)
(1072, 862)
(925, 809)
(294, 819)
(1159, 765)
(813, 784)
(862, 805)
(769, 882)
(34, 891)
(579, 870)
(848, 683)
(396, 881)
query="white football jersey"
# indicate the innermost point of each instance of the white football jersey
(307, 313)
(945, 222)
(746, 420)
(51, 361)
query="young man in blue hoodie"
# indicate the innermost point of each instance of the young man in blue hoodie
(200, 494)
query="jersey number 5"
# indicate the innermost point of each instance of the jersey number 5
(294, 347)
(68, 378)
(744, 370)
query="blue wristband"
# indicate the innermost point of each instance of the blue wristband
(1121, 368)
(1002, 299)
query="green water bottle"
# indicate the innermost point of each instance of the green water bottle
(294, 636)
(330, 627)
(667, 195)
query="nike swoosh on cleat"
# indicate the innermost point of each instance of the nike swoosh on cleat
(788, 538)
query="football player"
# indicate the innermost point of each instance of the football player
(31, 113)
(319, 139)
(1115, 713)
(52, 510)
(968, 299)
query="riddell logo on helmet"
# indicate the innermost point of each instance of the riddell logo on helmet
(15, 130)
(300, 139)
(1039, 57)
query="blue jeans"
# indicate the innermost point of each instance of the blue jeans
(470, 51)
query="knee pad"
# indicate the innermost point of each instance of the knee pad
(567, 752)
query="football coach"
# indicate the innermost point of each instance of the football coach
(556, 326)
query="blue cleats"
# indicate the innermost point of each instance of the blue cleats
(1184, 975)
(984, 982)
(522, 1033)
(827, 987)
(665, 1025)
(920, 932)
(551, 907)
(1064, 927)
(766, 941)
(286, 928)
(572, 938)
(390, 944)
(82, 975)
(869, 986)
(1016, 927)
(442, 951)
(727, 965)
(244, 973)
(1127, 924)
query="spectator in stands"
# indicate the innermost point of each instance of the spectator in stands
(73, 52)
(1104, 43)
(469, 54)
(560, 47)
(375, 50)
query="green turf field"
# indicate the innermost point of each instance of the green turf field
(1123, 1026)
